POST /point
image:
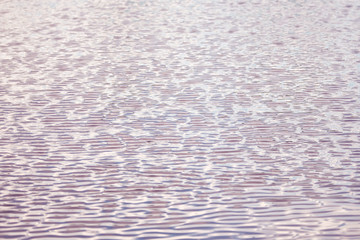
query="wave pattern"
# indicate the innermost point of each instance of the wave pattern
(208, 119)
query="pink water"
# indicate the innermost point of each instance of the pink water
(193, 119)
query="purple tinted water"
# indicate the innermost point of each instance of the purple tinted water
(208, 119)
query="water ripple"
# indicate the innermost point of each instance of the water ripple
(210, 119)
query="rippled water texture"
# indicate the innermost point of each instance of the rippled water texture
(179, 119)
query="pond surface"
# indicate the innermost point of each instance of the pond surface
(193, 119)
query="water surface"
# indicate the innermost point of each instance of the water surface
(207, 119)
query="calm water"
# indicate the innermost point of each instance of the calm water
(192, 119)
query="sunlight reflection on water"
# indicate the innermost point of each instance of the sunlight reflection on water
(179, 119)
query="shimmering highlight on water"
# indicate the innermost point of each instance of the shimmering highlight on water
(193, 119)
